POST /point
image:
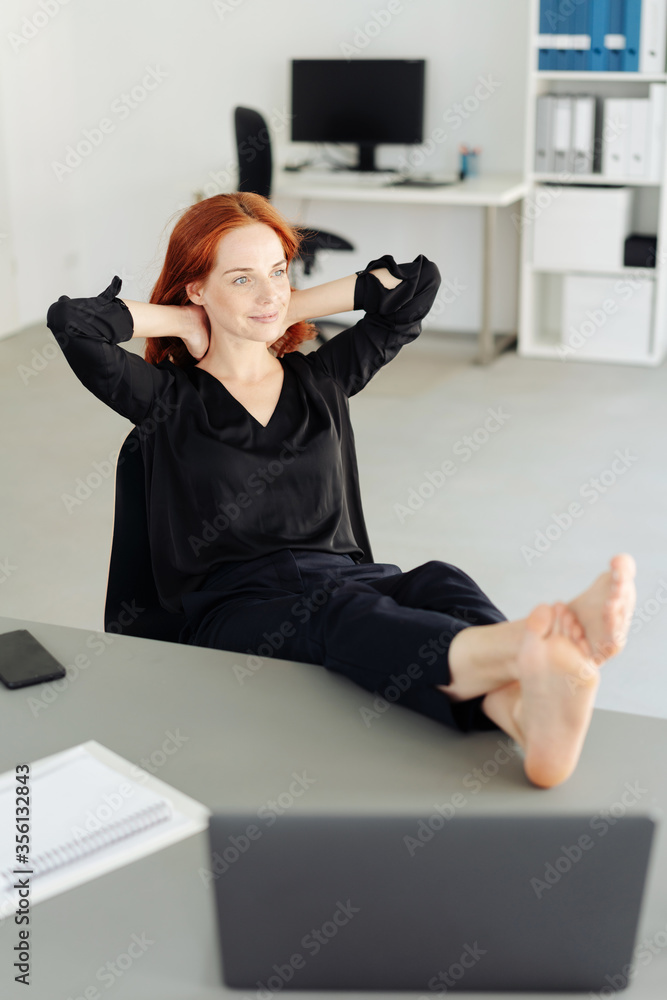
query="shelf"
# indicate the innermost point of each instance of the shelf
(547, 352)
(558, 306)
(609, 272)
(566, 74)
(599, 179)
(539, 351)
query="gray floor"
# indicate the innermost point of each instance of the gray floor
(560, 428)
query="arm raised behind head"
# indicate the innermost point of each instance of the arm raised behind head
(331, 297)
(188, 322)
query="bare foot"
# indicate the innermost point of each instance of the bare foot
(606, 608)
(483, 659)
(570, 626)
(543, 710)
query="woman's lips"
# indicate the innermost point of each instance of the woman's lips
(266, 318)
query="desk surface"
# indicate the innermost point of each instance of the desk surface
(487, 190)
(241, 736)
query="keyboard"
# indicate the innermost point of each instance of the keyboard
(343, 178)
(424, 182)
(371, 179)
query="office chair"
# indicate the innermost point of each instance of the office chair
(253, 147)
(131, 584)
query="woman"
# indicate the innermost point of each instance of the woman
(256, 526)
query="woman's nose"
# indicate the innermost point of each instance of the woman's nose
(265, 291)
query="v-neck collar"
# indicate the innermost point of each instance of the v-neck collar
(240, 404)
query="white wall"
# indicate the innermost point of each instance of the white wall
(9, 316)
(111, 213)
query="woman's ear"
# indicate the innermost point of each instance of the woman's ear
(193, 289)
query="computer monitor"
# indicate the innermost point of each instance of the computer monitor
(363, 101)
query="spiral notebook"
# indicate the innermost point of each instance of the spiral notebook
(90, 811)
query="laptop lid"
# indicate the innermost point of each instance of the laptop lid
(482, 902)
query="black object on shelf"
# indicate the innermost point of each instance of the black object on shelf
(640, 251)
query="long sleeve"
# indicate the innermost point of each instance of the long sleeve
(393, 319)
(89, 332)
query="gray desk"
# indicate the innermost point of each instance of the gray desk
(489, 191)
(240, 744)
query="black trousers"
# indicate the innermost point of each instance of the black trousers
(386, 630)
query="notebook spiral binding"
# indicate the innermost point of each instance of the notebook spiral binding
(73, 850)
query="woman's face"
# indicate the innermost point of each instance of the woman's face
(247, 293)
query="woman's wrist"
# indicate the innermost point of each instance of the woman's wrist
(331, 297)
(385, 277)
(151, 320)
(322, 300)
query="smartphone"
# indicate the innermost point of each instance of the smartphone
(23, 660)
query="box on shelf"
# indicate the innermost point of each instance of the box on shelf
(640, 251)
(581, 228)
(606, 317)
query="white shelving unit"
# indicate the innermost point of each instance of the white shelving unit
(540, 333)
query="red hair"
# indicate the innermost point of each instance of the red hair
(191, 256)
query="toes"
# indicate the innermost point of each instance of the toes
(558, 625)
(623, 567)
(540, 621)
(578, 635)
(602, 615)
(617, 614)
(623, 571)
(566, 623)
(569, 623)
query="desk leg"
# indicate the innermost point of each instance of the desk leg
(490, 346)
(486, 340)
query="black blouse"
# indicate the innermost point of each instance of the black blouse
(220, 486)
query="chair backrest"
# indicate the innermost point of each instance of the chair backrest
(132, 604)
(253, 148)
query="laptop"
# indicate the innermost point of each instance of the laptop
(390, 902)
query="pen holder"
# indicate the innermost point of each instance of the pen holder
(468, 162)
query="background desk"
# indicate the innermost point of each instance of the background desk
(490, 192)
(241, 743)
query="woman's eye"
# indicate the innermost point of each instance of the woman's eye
(281, 271)
(243, 278)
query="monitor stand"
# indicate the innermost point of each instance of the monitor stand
(366, 160)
